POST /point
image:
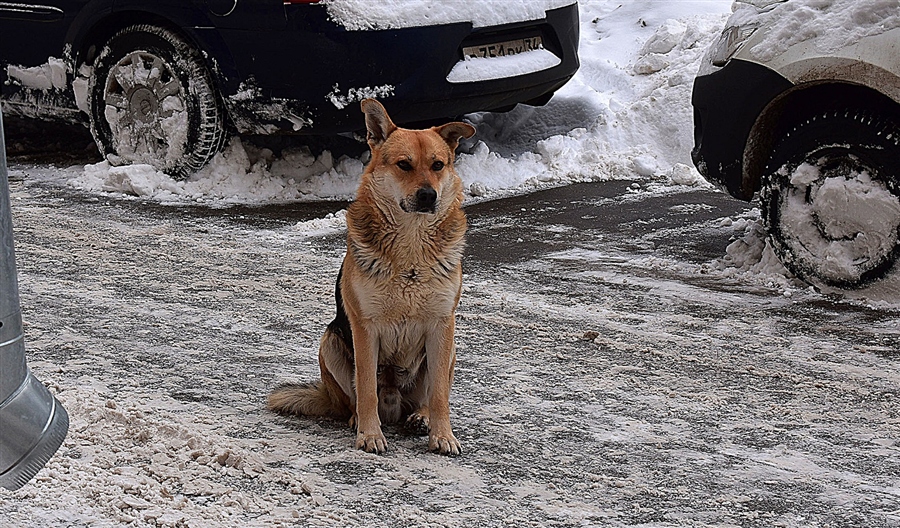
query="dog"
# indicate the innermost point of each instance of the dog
(389, 353)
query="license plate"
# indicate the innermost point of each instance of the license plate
(502, 49)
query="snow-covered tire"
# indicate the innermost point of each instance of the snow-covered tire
(152, 100)
(830, 198)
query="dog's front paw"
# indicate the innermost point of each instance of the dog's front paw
(445, 444)
(418, 422)
(371, 442)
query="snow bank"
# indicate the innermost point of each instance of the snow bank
(240, 175)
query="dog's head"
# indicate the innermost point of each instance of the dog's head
(413, 168)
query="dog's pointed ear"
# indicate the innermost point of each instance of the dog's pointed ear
(452, 132)
(378, 125)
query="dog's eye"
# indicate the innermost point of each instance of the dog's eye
(437, 166)
(405, 165)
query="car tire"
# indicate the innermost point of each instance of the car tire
(830, 198)
(152, 100)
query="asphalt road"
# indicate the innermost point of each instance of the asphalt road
(610, 373)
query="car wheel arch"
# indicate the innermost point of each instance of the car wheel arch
(97, 31)
(782, 113)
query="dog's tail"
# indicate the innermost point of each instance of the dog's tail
(307, 399)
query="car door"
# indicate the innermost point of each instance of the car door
(32, 45)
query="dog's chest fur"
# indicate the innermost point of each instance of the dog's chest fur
(409, 278)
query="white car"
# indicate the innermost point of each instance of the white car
(798, 103)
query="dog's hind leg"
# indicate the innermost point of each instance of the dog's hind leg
(336, 366)
(416, 403)
(327, 397)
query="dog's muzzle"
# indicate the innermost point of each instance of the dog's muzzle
(425, 200)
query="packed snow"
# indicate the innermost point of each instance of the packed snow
(489, 68)
(391, 14)
(823, 212)
(133, 138)
(44, 77)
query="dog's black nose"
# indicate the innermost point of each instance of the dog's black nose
(426, 197)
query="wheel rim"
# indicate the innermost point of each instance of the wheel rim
(837, 221)
(146, 109)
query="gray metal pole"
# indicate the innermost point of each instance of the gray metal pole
(33, 424)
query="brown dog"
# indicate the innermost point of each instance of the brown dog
(389, 354)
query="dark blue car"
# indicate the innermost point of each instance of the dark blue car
(165, 82)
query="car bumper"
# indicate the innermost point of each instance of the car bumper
(309, 77)
(727, 104)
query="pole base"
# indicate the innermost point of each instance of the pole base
(33, 424)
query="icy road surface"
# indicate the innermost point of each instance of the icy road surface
(611, 372)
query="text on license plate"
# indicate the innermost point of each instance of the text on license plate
(502, 49)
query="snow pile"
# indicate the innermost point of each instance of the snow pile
(159, 469)
(358, 15)
(750, 255)
(829, 24)
(241, 174)
(331, 223)
(625, 115)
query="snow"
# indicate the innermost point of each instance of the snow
(489, 68)
(624, 116)
(609, 122)
(51, 75)
(355, 95)
(81, 87)
(824, 213)
(391, 14)
(135, 139)
(826, 24)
